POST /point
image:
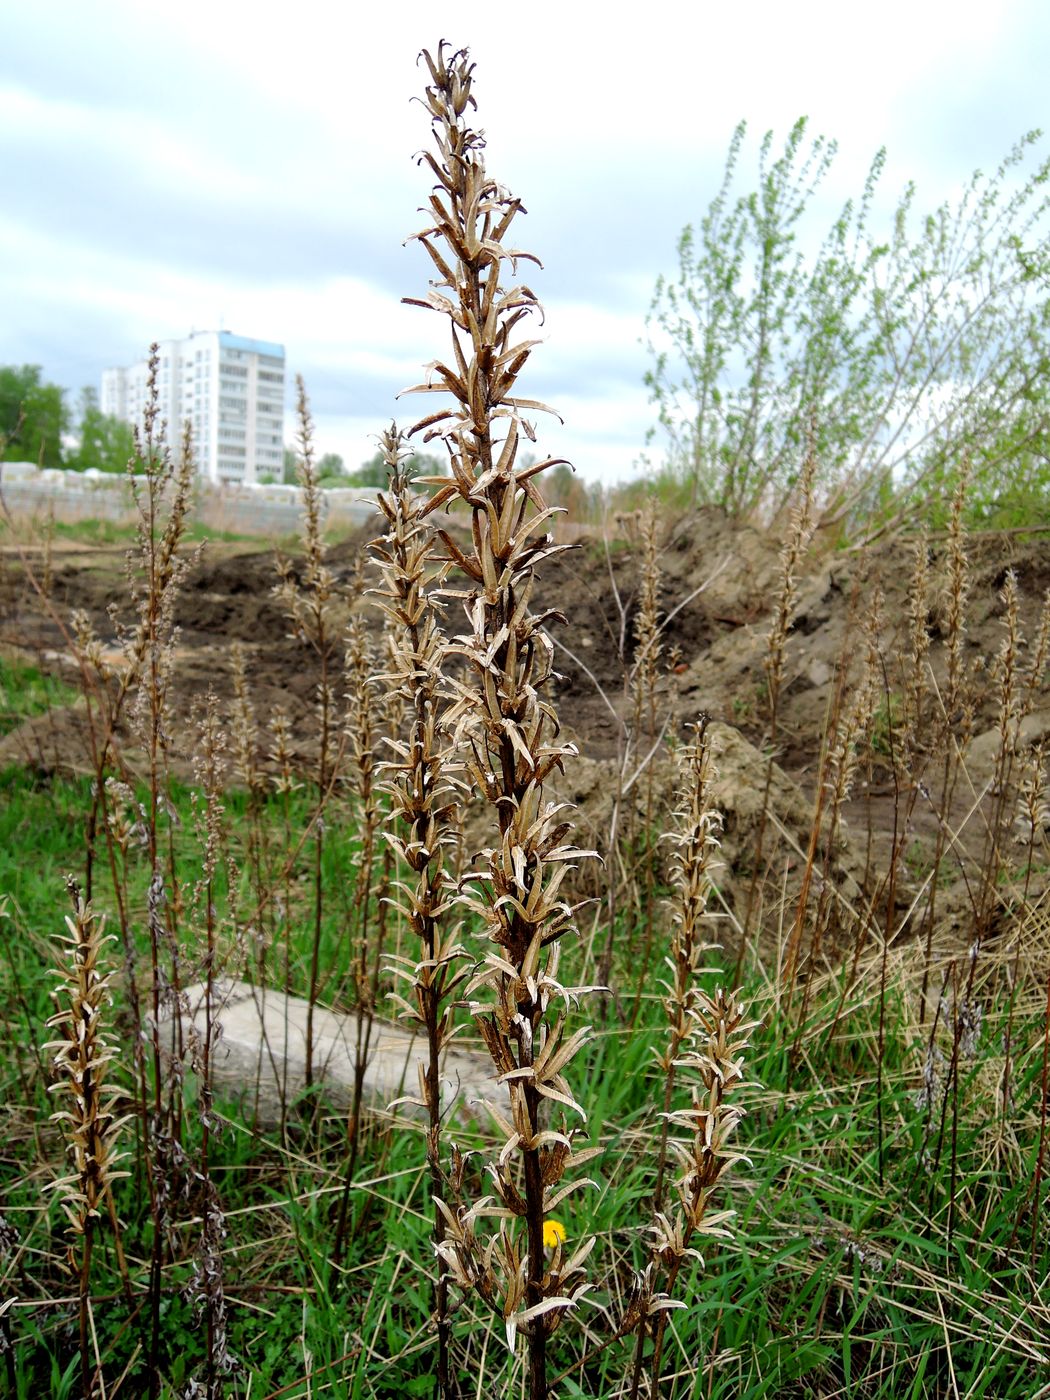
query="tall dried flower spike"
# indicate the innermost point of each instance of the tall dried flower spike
(956, 593)
(917, 676)
(791, 558)
(309, 603)
(505, 720)
(712, 1060)
(643, 680)
(81, 1061)
(696, 842)
(365, 949)
(420, 783)
(243, 725)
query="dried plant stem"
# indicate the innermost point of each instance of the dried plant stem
(1036, 816)
(82, 1057)
(309, 604)
(696, 842)
(244, 738)
(848, 730)
(955, 705)
(206, 1287)
(1044, 1084)
(713, 1055)
(507, 725)
(643, 679)
(157, 568)
(1008, 680)
(791, 559)
(361, 740)
(421, 788)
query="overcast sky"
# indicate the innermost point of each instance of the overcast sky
(190, 166)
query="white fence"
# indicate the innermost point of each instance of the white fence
(30, 493)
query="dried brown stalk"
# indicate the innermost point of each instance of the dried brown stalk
(82, 1060)
(791, 558)
(956, 706)
(309, 604)
(643, 679)
(695, 841)
(713, 1059)
(157, 567)
(916, 679)
(365, 952)
(420, 782)
(507, 726)
(206, 1289)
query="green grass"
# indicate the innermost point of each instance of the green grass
(26, 691)
(112, 532)
(839, 1280)
(93, 531)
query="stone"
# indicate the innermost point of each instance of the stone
(258, 1057)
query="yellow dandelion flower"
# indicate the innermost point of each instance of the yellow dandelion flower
(553, 1233)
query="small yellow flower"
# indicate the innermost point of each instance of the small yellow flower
(553, 1233)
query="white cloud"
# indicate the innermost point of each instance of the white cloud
(257, 170)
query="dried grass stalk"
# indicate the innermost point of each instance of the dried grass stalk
(90, 1122)
(712, 1061)
(420, 782)
(309, 603)
(508, 727)
(696, 842)
(792, 556)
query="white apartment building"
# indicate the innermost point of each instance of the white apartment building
(229, 388)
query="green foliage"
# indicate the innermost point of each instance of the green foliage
(33, 416)
(374, 473)
(331, 464)
(94, 531)
(899, 351)
(26, 691)
(886, 723)
(667, 487)
(581, 501)
(107, 444)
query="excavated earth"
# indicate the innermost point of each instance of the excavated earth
(718, 592)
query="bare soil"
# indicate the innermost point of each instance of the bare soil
(719, 590)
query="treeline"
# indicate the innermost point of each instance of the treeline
(38, 425)
(332, 469)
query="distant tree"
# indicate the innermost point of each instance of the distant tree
(330, 469)
(900, 351)
(373, 472)
(331, 464)
(106, 443)
(370, 473)
(564, 489)
(33, 416)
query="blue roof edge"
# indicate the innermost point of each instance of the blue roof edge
(244, 342)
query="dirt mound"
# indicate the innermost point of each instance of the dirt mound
(718, 591)
(738, 794)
